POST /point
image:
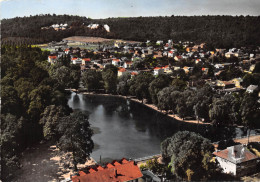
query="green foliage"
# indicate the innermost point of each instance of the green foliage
(155, 166)
(158, 84)
(143, 167)
(110, 80)
(139, 85)
(76, 136)
(92, 80)
(190, 155)
(123, 85)
(50, 119)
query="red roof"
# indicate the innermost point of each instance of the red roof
(128, 62)
(236, 154)
(117, 60)
(134, 73)
(157, 68)
(66, 50)
(170, 52)
(53, 57)
(74, 58)
(86, 59)
(121, 70)
(115, 171)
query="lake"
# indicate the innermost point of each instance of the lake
(124, 128)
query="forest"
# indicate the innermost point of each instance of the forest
(34, 107)
(217, 31)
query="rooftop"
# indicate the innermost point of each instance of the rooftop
(122, 170)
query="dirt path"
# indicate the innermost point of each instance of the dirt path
(41, 164)
(255, 138)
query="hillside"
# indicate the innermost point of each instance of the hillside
(219, 31)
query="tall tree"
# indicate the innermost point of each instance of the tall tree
(190, 155)
(75, 137)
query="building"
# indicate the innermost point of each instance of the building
(158, 70)
(52, 59)
(76, 60)
(237, 160)
(123, 170)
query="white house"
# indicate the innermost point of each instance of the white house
(237, 160)
(128, 64)
(76, 60)
(158, 70)
(52, 59)
(116, 62)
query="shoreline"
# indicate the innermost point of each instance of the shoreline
(151, 106)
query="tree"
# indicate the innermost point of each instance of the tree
(250, 112)
(179, 84)
(110, 80)
(50, 119)
(158, 84)
(91, 80)
(165, 101)
(123, 85)
(190, 155)
(75, 137)
(139, 85)
(219, 111)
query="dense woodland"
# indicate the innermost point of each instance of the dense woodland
(34, 107)
(218, 31)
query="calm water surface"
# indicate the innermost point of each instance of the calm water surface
(131, 130)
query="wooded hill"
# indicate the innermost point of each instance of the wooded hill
(218, 31)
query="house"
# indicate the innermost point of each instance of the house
(170, 54)
(225, 84)
(237, 160)
(122, 170)
(252, 88)
(237, 82)
(158, 70)
(76, 60)
(52, 59)
(86, 61)
(116, 62)
(205, 70)
(121, 71)
(178, 58)
(127, 64)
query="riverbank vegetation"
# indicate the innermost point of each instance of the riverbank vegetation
(171, 94)
(34, 107)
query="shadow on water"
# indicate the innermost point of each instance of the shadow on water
(124, 128)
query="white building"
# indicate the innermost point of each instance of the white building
(157, 71)
(237, 160)
(76, 61)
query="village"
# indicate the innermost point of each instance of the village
(165, 57)
(160, 58)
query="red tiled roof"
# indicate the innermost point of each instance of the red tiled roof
(86, 59)
(74, 58)
(53, 57)
(121, 70)
(171, 52)
(157, 68)
(66, 50)
(120, 171)
(134, 73)
(117, 60)
(241, 153)
(128, 62)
